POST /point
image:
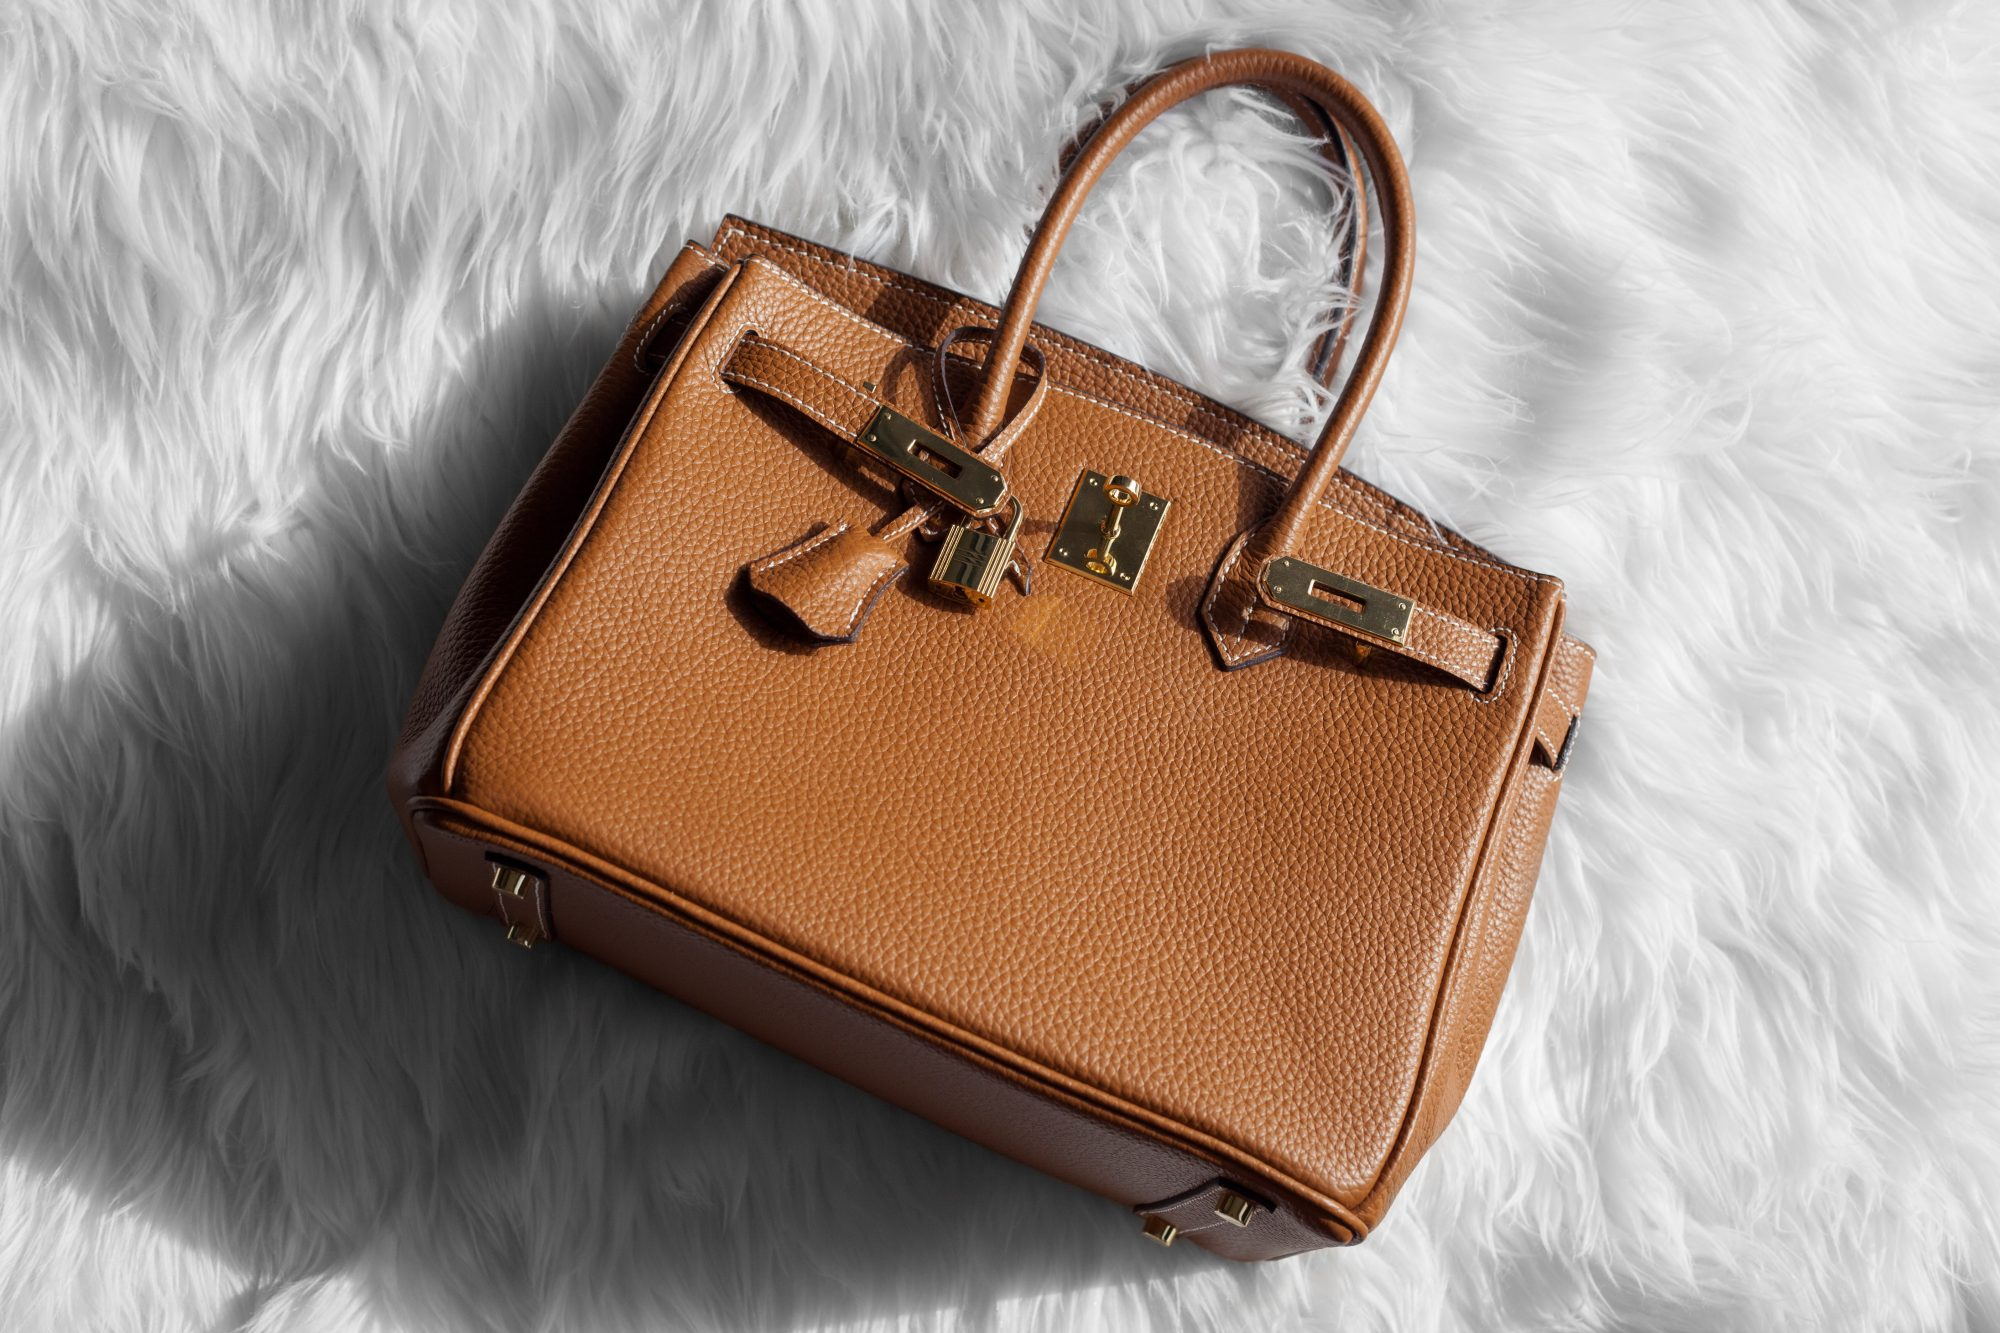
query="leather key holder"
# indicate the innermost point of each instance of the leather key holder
(1220, 945)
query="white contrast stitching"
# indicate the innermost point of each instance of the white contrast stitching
(1463, 638)
(810, 411)
(1232, 653)
(1506, 637)
(813, 543)
(653, 324)
(1096, 357)
(767, 345)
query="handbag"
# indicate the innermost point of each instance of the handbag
(1171, 830)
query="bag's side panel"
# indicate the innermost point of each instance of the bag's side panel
(535, 527)
(952, 1088)
(1494, 916)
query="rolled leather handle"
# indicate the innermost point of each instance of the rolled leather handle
(1337, 148)
(1289, 75)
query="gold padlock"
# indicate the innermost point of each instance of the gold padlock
(972, 561)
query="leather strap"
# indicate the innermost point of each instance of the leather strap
(1561, 704)
(843, 408)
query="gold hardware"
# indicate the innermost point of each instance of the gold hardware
(1108, 530)
(1345, 601)
(512, 882)
(933, 462)
(972, 561)
(1234, 1209)
(1161, 1230)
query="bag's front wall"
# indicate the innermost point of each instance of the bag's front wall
(1224, 898)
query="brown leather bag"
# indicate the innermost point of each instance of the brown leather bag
(1171, 830)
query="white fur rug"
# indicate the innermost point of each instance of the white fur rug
(1706, 323)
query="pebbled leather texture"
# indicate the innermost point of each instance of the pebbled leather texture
(1248, 925)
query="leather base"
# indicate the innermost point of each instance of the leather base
(957, 1089)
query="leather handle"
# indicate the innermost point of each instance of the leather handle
(1337, 149)
(1344, 107)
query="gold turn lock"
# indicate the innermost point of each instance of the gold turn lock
(1108, 530)
(972, 561)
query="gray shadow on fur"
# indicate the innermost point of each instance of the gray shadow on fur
(231, 1004)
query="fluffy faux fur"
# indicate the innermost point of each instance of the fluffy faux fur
(1705, 323)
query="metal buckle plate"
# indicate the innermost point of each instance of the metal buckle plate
(1108, 530)
(1348, 602)
(933, 462)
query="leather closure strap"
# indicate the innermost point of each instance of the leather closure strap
(1456, 647)
(1561, 704)
(858, 415)
(842, 407)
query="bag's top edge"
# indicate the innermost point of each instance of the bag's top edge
(918, 310)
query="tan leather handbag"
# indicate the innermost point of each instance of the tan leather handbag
(1171, 829)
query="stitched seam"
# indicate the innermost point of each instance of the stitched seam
(1185, 397)
(653, 324)
(869, 596)
(908, 521)
(820, 298)
(1506, 637)
(880, 330)
(1463, 641)
(1231, 652)
(818, 372)
(803, 406)
(1214, 589)
(817, 540)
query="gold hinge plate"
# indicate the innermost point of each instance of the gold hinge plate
(933, 462)
(1347, 602)
(1108, 530)
(519, 888)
